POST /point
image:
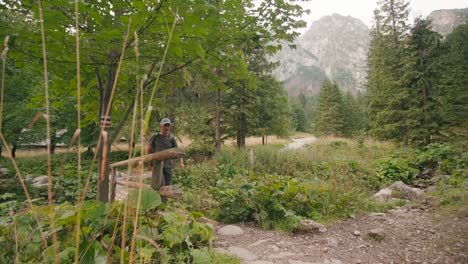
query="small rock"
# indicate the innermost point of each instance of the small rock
(332, 242)
(283, 244)
(356, 233)
(377, 214)
(242, 253)
(274, 248)
(230, 230)
(377, 234)
(310, 226)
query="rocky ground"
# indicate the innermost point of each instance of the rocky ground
(402, 235)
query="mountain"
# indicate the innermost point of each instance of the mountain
(446, 20)
(334, 47)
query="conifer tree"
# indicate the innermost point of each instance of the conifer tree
(454, 83)
(329, 116)
(421, 77)
(388, 96)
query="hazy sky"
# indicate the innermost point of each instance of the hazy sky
(363, 9)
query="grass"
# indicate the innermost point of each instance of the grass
(329, 180)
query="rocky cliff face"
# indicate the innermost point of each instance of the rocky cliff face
(334, 47)
(446, 20)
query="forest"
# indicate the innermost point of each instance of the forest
(89, 81)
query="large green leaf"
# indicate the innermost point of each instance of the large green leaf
(150, 199)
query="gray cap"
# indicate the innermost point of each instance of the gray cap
(165, 121)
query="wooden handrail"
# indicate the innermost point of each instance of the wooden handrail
(167, 154)
(171, 153)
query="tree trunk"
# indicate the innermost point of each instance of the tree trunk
(218, 122)
(13, 152)
(105, 149)
(263, 140)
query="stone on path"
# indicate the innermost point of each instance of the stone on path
(230, 230)
(377, 234)
(242, 253)
(311, 226)
(356, 233)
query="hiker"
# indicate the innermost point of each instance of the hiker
(163, 140)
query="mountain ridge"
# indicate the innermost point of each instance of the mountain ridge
(336, 47)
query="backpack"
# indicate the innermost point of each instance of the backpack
(172, 139)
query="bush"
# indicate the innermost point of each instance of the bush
(178, 240)
(394, 169)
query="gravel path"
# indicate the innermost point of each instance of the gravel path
(402, 235)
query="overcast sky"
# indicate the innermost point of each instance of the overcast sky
(363, 9)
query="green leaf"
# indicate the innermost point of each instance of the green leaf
(199, 50)
(201, 256)
(150, 199)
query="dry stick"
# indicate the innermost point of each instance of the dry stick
(132, 136)
(78, 111)
(49, 165)
(4, 58)
(137, 211)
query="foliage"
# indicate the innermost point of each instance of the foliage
(395, 169)
(178, 239)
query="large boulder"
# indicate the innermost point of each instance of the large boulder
(398, 190)
(171, 191)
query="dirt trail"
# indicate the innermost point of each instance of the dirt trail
(407, 236)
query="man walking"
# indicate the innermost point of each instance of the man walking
(160, 141)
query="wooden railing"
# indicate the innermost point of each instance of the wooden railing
(161, 156)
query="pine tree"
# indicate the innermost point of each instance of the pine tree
(454, 83)
(388, 96)
(329, 116)
(421, 77)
